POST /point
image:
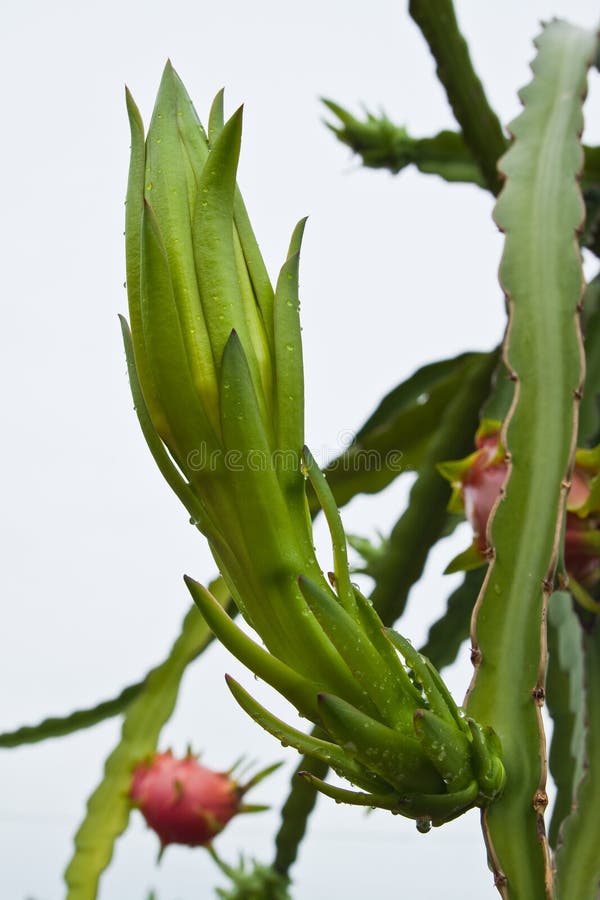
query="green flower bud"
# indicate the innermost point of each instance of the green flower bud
(216, 360)
(215, 365)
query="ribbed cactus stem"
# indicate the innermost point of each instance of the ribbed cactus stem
(540, 210)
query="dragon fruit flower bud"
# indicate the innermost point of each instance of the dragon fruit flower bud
(482, 483)
(477, 482)
(183, 801)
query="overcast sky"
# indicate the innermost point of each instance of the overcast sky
(396, 272)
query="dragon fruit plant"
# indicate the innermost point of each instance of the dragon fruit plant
(215, 366)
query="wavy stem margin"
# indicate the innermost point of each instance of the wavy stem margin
(540, 211)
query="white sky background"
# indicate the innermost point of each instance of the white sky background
(396, 272)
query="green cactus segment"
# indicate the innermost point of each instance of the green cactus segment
(108, 807)
(61, 726)
(540, 210)
(325, 751)
(577, 859)
(566, 705)
(480, 126)
(589, 412)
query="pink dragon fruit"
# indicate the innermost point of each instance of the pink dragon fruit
(184, 802)
(477, 481)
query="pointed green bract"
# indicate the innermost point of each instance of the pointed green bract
(165, 347)
(289, 378)
(167, 467)
(373, 628)
(216, 117)
(433, 809)
(438, 700)
(172, 197)
(319, 484)
(298, 690)
(354, 798)
(134, 209)
(377, 682)
(447, 748)
(323, 750)
(225, 306)
(394, 756)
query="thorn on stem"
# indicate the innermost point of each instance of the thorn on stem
(539, 695)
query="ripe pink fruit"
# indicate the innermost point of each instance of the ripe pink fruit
(182, 801)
